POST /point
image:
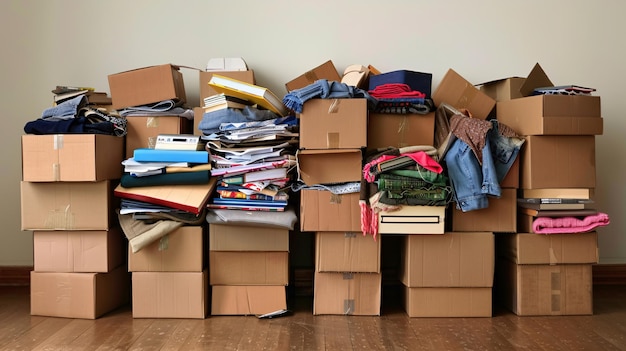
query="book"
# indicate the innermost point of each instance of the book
(218, 99)
(245, 208)
(267, 174)
(93, 97)
(563, 193)
(259, 95)
(558, 213)
(248, 203)
(229, 194)
(552, 206)
(61, 89)
(155, 155)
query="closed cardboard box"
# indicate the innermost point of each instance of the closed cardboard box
(71, 157)
(527, 248)
(552, 115)
(147, 85)
(204, 77)
(323, 211)
(326, 70)
(333, 124)
(455, 259)
(249, 268)
(563, 161)
(516, 87)
(347, 252)
(78, 295)
(90, 251)
(182, 250)
(247, 300)
(500, 216)
(412, 220)
(67, 205)
(457, 92)
(448, 302)
(400, 130)
(356, 294)
(546, 290)
(227, 237)
(142, 131)
(170, 294)
(330, 166)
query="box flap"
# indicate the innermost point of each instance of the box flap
(226, 64)
(537, 78)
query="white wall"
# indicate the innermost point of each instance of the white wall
(49, 43)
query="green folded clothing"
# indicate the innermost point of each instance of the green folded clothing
(179, 178)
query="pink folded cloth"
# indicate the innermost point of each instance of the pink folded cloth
(560, 225)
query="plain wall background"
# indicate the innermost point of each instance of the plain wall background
(64, 42)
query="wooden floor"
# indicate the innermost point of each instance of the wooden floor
(393, 330)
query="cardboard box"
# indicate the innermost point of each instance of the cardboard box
(71, 157)
(249, 268)
(333, 124)
(179, 251)
(67, 205)
(356, 294)
(147, 85)
(385, 129)
(346, 252)
(170, 295)
(198, 114)
(516, 87)
(78, 295)
(413, 220)
(552, 115)
(142, 131)
(247, 300)
(565, 161)
(326, 70)
(204, 77)
(330, 166)
(457, 92)
(454, 259)
(227, 237)
(500, 216)
(323, 211)
(546, 290)
(511, 179)
(92, 251)
(527, 248)
(418, 81)
(448, 302)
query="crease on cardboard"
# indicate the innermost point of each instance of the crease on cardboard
(553, 259)
(402, 129)
(335, 198)
(468, 95)
(311, 76)
(60, 219)
(332, 140)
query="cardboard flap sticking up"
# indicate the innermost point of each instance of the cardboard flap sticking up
(537, 78)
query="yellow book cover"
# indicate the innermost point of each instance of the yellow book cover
(261, 96)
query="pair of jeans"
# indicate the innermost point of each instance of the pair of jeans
(211, 121)
(472, 182)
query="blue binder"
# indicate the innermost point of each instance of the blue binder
(156, 155)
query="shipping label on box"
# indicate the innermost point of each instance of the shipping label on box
(91, 251)
(182, 250)
(71, 157)
(170, 294)
(323, 211)
(412, 220)
(333, 124)
(247, 299)
(346, 252)
(148, 85)
(455, 259)
(563, 161)
(400, 130)
(356, 294)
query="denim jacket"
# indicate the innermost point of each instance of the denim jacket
(472, 182)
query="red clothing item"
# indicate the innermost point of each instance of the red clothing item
(395, 91)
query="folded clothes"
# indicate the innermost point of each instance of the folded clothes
(561, 225)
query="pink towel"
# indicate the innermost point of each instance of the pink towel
(560, 225)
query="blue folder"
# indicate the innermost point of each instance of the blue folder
(156, 155)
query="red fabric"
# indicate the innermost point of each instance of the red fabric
(395, 91)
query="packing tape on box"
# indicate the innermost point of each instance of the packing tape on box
(553, 259)
(152, 122)
(56, 172)
(332, 140)
(335, 198)
(164, 243)
(334, 106)
(60, 219)
(57, 141)
(348, 306)
(555, 286)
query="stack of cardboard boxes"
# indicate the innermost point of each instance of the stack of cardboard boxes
(548, 274)
(169, 276)
(66, 200)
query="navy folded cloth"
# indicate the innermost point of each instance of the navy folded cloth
(78, 125)
(179, 178)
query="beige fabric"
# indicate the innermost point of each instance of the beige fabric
(141, 234)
